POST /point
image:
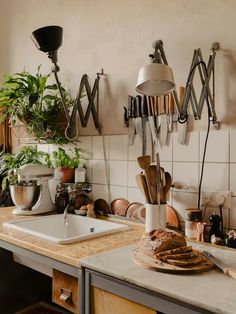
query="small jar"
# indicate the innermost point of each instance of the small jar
(80, 174)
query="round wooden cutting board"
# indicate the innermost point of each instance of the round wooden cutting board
(152, 263)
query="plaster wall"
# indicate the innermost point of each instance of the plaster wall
(117, 36)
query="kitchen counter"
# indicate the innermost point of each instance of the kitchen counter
(212, 290)
(69, 253)
(112, 255)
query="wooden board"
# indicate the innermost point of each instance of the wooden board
(152, 263)
(171, 217)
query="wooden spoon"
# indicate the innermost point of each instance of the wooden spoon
(144, 163)
(142, 185)
(167, 186)
(152, 170)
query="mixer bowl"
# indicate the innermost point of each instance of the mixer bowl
(24, 195)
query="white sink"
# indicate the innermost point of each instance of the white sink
(54, 229)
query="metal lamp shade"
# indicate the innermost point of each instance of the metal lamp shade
(48, 38)
(155, 79)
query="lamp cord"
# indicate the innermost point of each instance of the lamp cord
(203, 158)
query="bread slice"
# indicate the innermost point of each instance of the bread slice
(180, 256)
(186, 262)
(180, 250)
(160, 240)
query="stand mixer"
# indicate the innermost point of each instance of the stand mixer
(32, 195)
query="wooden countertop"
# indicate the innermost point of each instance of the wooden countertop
(67, 253)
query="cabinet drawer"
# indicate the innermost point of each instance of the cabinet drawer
(65, 291)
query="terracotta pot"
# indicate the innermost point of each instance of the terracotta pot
(66, 174)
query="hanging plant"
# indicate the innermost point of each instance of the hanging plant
(37, 104)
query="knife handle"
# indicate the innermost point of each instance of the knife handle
(230, 272)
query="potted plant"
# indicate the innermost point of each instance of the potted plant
(37, 104)
(66, 163)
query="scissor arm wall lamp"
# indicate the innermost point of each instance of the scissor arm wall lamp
(156, 79)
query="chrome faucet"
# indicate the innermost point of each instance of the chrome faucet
(65, 217)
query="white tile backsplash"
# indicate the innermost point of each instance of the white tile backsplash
(186, 173)
(233, 179)
(232, 146)
(100, 191)
(134, 195)
(100, 147)
(182, 201)
(188, 152)
(133, 170)
(166, 151)
(85, 146)
(99, 171)
(118, 172)
(182, 161)
(233, 214)
(118, 192)
(216, 176)
(135, 149)
(217, 146)
(118, 145)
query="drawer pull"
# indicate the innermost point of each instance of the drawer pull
(65, 295)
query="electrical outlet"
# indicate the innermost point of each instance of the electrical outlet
(216, 199)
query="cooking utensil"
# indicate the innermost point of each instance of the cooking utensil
(167, 186)
(132, 209)
(131, 128)
(144, 163)
(152, 170)
(101, 206)
(171, 112)
(182, 127)
(227, 270)
(142, 185)
(147, 129)
(119, 206)
(138, 118)
(152, 120)
(144, 113)
(171, 217)
(158, 179)
(163, 127)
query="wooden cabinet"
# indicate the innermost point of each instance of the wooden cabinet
(103, 302)
(65, 291)
(103, 294)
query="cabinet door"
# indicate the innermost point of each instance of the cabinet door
(103, 302)
(65, 291)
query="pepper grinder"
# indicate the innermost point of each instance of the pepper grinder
(215, 221)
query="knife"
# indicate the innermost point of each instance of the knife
(228, 271)
(144, 122)
(138, 118)
(131, 129)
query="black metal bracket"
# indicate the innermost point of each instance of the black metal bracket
(90, 94)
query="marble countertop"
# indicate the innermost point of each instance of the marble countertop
(212, 290)
(67, 253)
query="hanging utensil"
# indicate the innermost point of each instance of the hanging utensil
(152, 120)
(163, 127)
(138, 118)
(171, 112)
(147, 137)
(158, 179)
(182, 127)
(131, 129)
